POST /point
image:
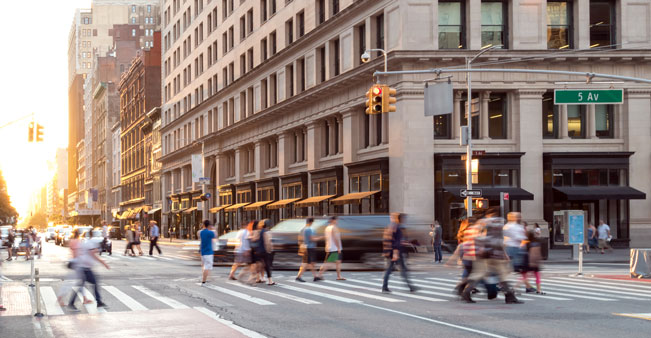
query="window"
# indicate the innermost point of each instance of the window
(263, 10)
(379, 33)
(148, 8)
(335, 7)
(242, 28)
(249, 19)
(475, 113)
(576, 124)
(289, 31)
(249, 56)
(272, 41)
(133, 8)
(549, 116)
(559, 29)
(442, 126)
(133, 21)
(231, 38)
(336, 57)
(497, 110)
(133, 32)
(263, 49)
(451, 25)
(322, 64)
(493, 23)
(361, 38)
(320, 8)
(289, 80)
(604, 120)
(272, 4)
(602, 24)
(300, 21)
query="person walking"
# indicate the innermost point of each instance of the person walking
(129, 236)
(592, 238)
(137, 234)
(11, 238)
(604, 236)
(333, 248)
(154, 233)
(172, 233)
(242, 250)
(533, 260)
(86, 258)
(207, 238)
(490, 257)
(261, 245)
(437, 238)
(515, 235)
(393, 250)
(307, 245)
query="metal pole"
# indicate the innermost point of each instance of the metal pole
(38, 296)
(204, 210)
(580, 260)
(31, 283)
(469, 147)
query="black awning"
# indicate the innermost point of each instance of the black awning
(597, 192)
(493, 193)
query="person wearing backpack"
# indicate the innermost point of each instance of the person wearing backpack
(533, 259)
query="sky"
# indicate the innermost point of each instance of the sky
(34, 79)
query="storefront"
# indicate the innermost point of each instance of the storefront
(219, 216)
(497, 173)
(266, 192)
(292, 189)
(368, 187)
(595, 182)
(326, 184)
(243, 197)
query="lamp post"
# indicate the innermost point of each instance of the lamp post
(469, 61)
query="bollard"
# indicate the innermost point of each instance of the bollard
(38, 296)
(31, 283)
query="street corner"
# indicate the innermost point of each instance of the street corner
(194, 322)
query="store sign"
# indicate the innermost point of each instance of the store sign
(588, 96)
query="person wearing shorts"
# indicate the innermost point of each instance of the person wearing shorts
(307, 247)
(242, 251)
(207, 236)
(333, 248)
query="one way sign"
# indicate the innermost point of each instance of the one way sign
(471, 193)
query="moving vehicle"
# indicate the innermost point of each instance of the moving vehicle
(64, 236)
(96, 237)
(50, 234)
(225, 249)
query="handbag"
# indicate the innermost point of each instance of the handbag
(302, 250)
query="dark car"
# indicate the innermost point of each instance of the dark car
(115, 232)
(226, 244)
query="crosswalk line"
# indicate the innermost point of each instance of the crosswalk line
(628, 287)
(91, 308)
(420, 285)
(164, 258)
(147, 258)
(277, 294)
(240, 295)
(408, 295)
(360, 294)
(625, 281)
(575, 293)
(379, 285)
(52, 307)
(601, 289)
(166, 300)
(528, 294)
(320, 294)
(124, 298)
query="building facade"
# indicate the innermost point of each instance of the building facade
(116, 161)
(272, 94)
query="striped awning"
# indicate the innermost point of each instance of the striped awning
(282, 203)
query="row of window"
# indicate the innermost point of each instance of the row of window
(133, 188)
(452, 24)
(148, 20)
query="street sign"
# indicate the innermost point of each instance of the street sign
(471, 193)
(204, 180)
(505, 196)
(475, 153)
(587, 96)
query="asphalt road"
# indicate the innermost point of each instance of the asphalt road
(160, 296)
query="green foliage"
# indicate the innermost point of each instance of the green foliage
(6, 209)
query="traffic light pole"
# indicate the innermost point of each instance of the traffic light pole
(469, 136)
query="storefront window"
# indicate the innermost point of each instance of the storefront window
(324, 187)
(505, 177)
(442, 126)
(497, 109)
(292, 191)
(493, 23)
(602, 24)
(576, 121)
(376, 182)
(604, 120)
(366, 182)
(451, 24)
(559, 29)
(244, 196)
(562, 177)
(454, 177)
(549, 116)
(265, 194)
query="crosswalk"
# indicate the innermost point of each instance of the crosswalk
(357, 290)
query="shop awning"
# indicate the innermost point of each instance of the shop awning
(126, 214)
(153, 211)
(493, 193)
(256, 205)
(314, 200)
(282, 203)
(134, 213)
(234, 207)
(218, 209)
(596, 192)
(189, 210)
(355, 197)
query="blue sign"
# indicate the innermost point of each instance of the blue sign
(208, 195)
(575, 225)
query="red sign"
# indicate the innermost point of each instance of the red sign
(478, 152)
(506, 196)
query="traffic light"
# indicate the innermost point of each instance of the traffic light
(30, 130)
(388, 98)
(374, 100)
(39, 133)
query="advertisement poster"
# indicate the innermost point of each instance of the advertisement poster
(576, 224)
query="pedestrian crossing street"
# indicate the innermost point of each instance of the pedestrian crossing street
(357, 289)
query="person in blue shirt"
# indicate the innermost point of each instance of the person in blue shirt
(154, 233)
(207, 236)
(307, 247)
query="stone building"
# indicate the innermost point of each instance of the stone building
(272, 94)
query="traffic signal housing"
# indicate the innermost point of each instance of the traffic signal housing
(39, 133)
(374, 100)
(388, 99)
(30, 131)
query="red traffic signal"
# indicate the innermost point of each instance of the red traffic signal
(374, 100)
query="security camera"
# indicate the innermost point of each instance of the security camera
(366, 57)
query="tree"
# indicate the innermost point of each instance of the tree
(8, 213)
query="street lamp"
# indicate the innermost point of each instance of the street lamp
(366, 57)
(469, 168)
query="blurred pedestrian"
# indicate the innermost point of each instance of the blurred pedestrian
(87, 256)
(11, 238)
(129, 237)
(592, 238)
(154, 233)
(490, 257)
(207, 237)
(604, 236)
(242, 250)
(466, 250)
(515, 235)
(537, 230)
(262, 251)
(307, 245)
(437, 239)
(393, 249)
(534, 259)
(333, 248)
(75, 271)
(137, 234)
(172, 234)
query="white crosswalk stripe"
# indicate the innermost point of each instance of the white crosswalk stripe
(641, 288)
(240, 295)
(360, 294)
(124, 298)
(166, 300)
(320, 294)
(402, 294)
(528, 294)
(91, 308)
(276, 293)
(379, 285)
(52, 307)
(601, 289)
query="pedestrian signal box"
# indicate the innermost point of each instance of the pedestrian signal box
(477, 203)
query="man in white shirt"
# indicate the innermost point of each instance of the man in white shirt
(333, 248)
(603, 232)
(242, 252)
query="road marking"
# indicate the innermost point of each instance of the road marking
(573, 294)
(147, 258)
(124, 298)
(244, 331)
(240, 295)
(448, 289)
(623, 287)
(360, 294)
(464, 328)
(52, 307)
(600, 288)
(528, 294)
(402, 288)
(164, 258)
(320, 294)
(276, 293)
(5, 279)
(92, 307)
(166, 300)
(646, 316)
(378, 290)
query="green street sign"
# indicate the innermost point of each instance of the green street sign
(588, 96)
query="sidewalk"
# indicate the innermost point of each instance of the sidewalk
(565, 256)
(166, 241)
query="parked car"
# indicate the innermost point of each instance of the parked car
(50, 234)
(64, 236)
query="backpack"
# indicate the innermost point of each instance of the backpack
(490, 242)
